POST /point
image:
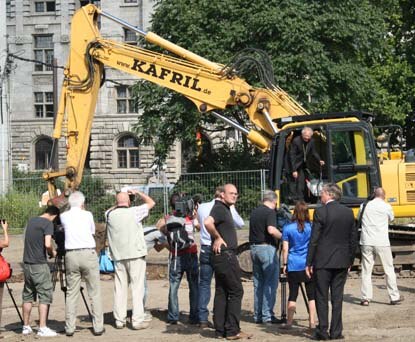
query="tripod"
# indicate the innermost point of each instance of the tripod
(59, 271)
(14, 301)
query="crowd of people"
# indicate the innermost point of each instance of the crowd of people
(315, 253)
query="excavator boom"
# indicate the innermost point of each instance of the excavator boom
(205, 83)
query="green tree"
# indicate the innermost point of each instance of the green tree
(329, 55)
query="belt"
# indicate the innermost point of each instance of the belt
(79, 249)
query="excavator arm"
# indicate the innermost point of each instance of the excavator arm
(208, 85)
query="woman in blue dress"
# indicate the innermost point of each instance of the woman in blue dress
(295, 241)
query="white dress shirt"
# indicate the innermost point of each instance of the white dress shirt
(375, 223)
(79, 228)
(204, 211)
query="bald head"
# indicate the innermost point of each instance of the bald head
(380, 193)
(123, 199)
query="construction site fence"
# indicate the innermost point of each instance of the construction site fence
(22, 199)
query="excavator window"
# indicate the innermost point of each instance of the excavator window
(349, 154)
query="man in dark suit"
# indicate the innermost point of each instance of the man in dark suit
(330, 255)
(301, 149)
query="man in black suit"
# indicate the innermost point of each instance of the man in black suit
(301, 149)
(330, 255)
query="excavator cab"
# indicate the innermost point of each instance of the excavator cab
(348, 150)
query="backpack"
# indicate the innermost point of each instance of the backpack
(5, 270)
(177, 236)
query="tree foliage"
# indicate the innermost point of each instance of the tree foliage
(329, 55)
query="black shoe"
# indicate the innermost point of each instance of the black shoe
(98, 333)
(340, 337)
(259, 321)
(398, 301)
(317, 336)
(69, 334)
(204, 325)
(275, 320)
(171, 322)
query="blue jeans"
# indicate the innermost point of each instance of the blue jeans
(205, 279)
(178, 266)
(266, 273)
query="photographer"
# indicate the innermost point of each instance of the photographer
(37, 277)
(4, 243)
(128, 250)
(178, 227)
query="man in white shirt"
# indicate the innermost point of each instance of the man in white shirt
(81, 262)
(374, 240)
(206, 269)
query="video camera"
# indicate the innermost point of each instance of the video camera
(59, 236)
(185, 205)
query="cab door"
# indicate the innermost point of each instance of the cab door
(352, 161)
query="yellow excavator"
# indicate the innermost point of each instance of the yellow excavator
(345, 141)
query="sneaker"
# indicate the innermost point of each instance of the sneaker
(98, 333)
(148, 317)
(140, 326)
(27, 330)
(46, 332)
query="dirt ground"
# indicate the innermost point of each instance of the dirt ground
(379, 321)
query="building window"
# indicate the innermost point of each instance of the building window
(127, 152)
(130, 37)
(43, 149)
(44, 6)
(130, 1)
(43, 52)
(8, 8)
(44, 104)
(125, 104)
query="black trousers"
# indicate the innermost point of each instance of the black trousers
(297, 186)
(228, 294)
(333, 280)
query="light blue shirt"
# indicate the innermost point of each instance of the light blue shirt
(204, 211)
(298, 245)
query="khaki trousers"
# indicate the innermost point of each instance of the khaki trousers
(129, 272)
(83, 264)
(369, 254)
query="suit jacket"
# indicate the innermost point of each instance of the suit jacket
(333, 239)
(296, 152)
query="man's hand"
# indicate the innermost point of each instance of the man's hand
(309, 271)
(53, 254)
(284, 270)
(218, 244)
(322, 163)
(295, 174)
(4, 225)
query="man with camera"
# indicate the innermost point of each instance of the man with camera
(81, 262)
(178, 227)
(37, 277)
(128, 250)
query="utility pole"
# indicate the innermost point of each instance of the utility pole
(5, 163)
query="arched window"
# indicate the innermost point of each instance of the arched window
(127, 152)
(43, 149)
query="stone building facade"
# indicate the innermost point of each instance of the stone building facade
(39, 30)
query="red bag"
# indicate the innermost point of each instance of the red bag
(5, 270)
